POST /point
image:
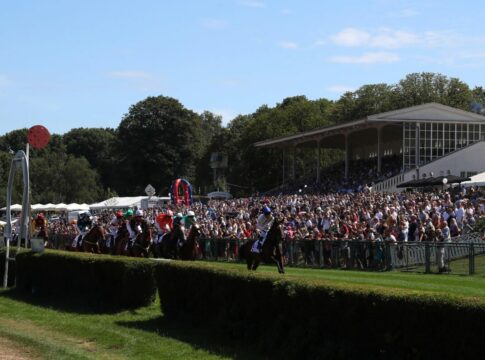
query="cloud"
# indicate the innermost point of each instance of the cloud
(340, 88)
(384, 38)
(130, 75)
(254, 4)
(351, 37)
(288, 45)
(286, 11)
(366, 58)
(214, 24)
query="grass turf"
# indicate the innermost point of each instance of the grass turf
(450, 285)
(51, 333)
(48, 332)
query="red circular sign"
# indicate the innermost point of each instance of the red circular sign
(38, 136)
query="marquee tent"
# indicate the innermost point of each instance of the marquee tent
(14, 207)
(118, 203)
(475, 180)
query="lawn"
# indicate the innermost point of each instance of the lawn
(449, 284)
(54, 332)
(50, 333)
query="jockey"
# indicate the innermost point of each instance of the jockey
(189, 219)
(164, 223)
(136, 224)
(40, 222)
(128, 215)
(84, 223)
(178, 229)
(178, 220)
(115, 224)
(263, 224)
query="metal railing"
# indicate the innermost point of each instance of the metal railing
(458, 256)
(365, 255)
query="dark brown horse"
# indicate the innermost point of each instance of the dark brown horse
(168, 244)
(188, 250)
(272, 251)
(122, 238)
(143, 240)
(91, 241)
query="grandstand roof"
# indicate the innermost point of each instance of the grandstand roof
(334, 134)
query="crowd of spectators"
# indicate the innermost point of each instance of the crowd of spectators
(360, 215)
(363, 174)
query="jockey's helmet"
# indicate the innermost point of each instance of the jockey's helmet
(190, 213)
(139, 212)
(266, 210)
(179, 215)
(40, 216)
(119, 214)
(129, 212)
(169, 213)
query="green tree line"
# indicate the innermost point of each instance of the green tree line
(158, 140)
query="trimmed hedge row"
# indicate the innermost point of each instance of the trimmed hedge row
(310, 320)
(11, 266)
(89, 280)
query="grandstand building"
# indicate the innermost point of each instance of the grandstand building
(430, 139)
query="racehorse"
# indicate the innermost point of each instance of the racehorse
(168, 243)
(141, 245)
(121, 241)
(188, 250)
(272, 251)
(91, 241)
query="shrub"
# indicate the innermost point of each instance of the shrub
(91, 280)
(11, 266)
(311, 320)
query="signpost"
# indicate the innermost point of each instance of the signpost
(150, 190)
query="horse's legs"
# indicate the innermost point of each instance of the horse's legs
(255, 263)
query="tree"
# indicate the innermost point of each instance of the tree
(97, 146)
(159, 141)
(59, 177)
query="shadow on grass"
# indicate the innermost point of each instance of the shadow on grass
(199, 337)
(61, 306)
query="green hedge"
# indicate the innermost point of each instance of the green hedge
(11, 266)
(310, 320)
(89, 280)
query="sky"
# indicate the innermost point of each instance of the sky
(67, 64)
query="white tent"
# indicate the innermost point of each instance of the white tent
(61, 207)
(118, 203)
(49, 207)
(37, 206)
(475, 180)
(74, 206)
(14, 207)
